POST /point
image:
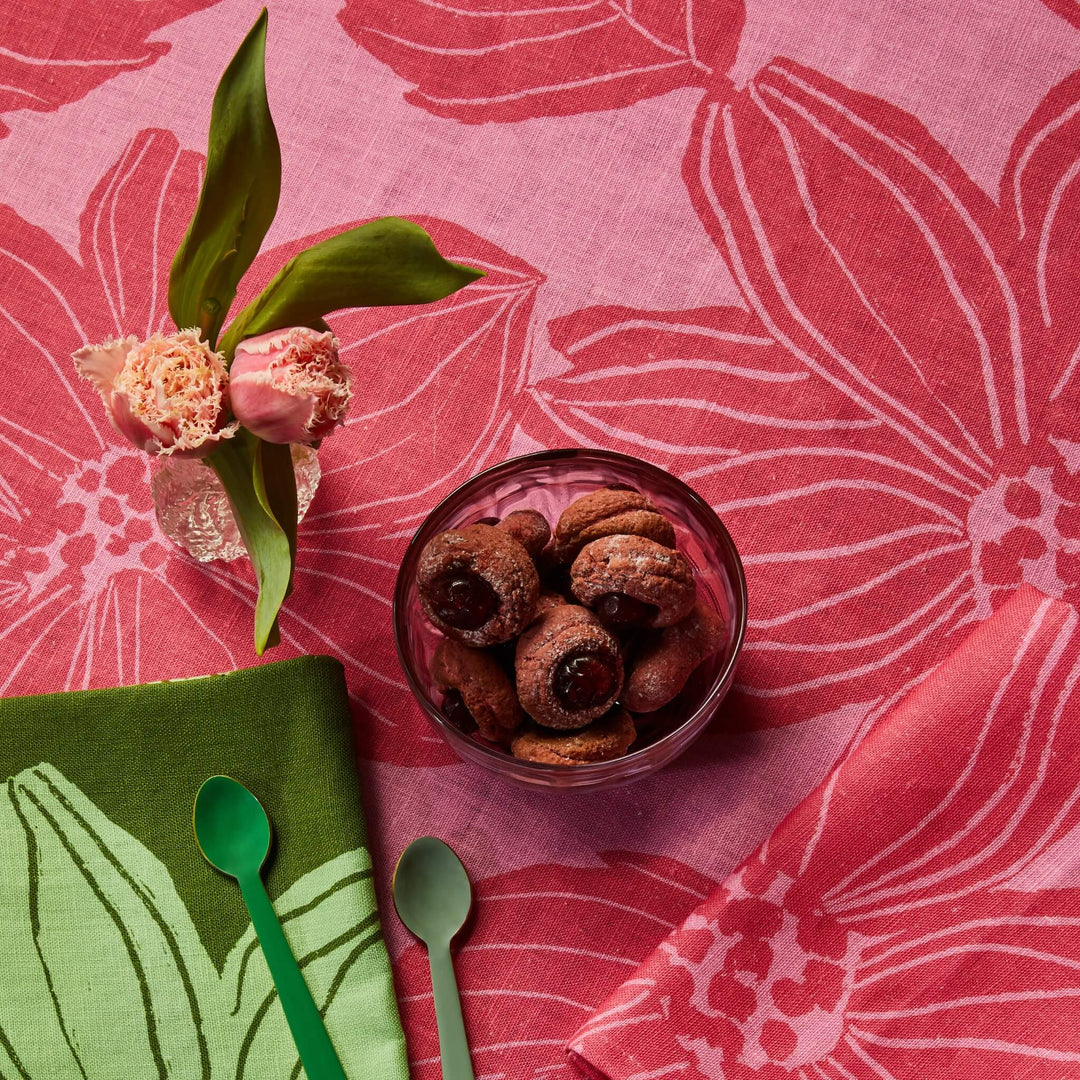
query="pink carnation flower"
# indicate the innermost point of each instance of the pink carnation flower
(168, 394)
(289, 386)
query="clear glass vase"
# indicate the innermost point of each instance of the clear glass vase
(193, 511)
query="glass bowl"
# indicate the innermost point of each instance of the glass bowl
(548, 482)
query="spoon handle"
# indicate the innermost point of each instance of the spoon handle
(317, 1053)
(453, 1044)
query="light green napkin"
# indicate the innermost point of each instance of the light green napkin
(122, 953)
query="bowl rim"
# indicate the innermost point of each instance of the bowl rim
(723, 677)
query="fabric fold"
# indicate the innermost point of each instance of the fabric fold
(916, 916)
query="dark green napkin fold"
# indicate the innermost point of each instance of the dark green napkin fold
(122, 952)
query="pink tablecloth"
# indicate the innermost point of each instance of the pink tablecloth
(816, 259)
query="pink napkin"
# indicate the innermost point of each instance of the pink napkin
(909, 919)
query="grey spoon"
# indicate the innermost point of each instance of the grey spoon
(433, 896)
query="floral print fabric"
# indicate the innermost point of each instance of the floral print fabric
(907, 919)
(818, 261)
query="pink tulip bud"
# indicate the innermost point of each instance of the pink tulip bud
(168, 394)
(288, 386)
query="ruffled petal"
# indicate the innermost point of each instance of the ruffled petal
(100, 364)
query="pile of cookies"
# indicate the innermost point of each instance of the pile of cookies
(559, 647)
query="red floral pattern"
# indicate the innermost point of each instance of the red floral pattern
(45, 61)
(1067, 9)
(889, 431)
(1042, 215)
(886, 421)
(504, 61)
(85, 563)
(886, 929)
(88, 566)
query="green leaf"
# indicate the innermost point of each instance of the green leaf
(239, 195)
(108, 976)
(97, 942)
(388, 261)
(275, 488)
(238, 462)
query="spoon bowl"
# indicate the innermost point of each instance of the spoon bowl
(231, 827)
(432, 892)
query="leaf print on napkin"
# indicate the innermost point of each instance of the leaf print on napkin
(96, 942)
(477, 61)
(92, 927)
(344, 964)
(48, 61)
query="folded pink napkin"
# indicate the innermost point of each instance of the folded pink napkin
(918, 916)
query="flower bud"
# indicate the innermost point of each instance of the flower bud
(168, 394)
(288, 386)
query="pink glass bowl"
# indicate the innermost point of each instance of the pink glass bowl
(548, 482)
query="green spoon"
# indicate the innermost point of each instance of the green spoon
(233, 833)
(433, 896)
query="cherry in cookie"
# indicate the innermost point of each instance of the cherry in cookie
(477, 585)
(476, 687)
(633, 581)
(463, 599)
(603, 740)
(569, 668)
(617, 510)
(661, 667)
(457, 712)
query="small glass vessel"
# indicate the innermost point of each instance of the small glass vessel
(193, 511)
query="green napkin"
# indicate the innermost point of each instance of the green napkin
(123, 954)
